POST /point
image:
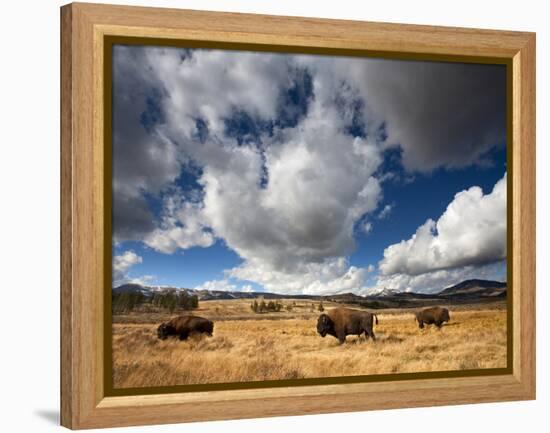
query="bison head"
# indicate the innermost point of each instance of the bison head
(324, 325)
(163, 331)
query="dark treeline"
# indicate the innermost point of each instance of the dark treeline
(261, 306)
(264, 307)
(171, 301)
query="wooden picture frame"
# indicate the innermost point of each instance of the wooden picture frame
(84, 29)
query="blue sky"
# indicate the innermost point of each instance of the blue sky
(306, 174)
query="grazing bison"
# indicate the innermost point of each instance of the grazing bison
(432, 315)
(185, 325)
(340, 322)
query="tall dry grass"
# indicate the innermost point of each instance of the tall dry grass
(290, 348)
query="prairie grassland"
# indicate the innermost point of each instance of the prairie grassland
(251, 347)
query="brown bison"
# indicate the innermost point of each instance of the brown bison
(182, 326)
(340, 322)
(432, 315)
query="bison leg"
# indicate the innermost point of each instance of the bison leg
(184, 335)
(421, 324)
(341, 338)
(438, 324)
(372, 335)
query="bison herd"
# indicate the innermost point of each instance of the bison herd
(338, 322)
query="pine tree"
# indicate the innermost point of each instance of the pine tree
(254, 306)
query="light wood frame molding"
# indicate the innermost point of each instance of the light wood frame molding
(83, 28)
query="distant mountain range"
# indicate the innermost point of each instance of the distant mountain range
(476, 288)
(205, 295)
(466, 292)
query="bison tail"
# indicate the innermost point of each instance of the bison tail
(375, 319)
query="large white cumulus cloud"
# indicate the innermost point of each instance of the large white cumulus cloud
(287, 200)
(320, 183)
(471, 232)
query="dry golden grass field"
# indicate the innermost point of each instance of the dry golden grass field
(285, 345)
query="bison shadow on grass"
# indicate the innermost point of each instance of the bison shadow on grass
(183, 326)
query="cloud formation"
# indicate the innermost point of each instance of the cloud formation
(144, 162)
(328, 277)
(224, 285)
(182, 226)
(292, 195)
(471, 232)
(435, 281)
(320, 183)
(122, 264)
(385, 212)
(440, 114)
(283, 155)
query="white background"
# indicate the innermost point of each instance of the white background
(29, 220)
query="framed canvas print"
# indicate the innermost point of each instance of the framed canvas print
(270, 216)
